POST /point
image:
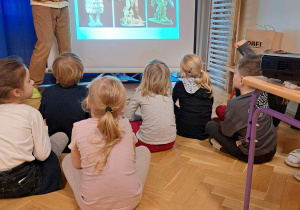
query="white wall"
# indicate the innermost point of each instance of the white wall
(283, 15)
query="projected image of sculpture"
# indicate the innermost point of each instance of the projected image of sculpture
(131, 14)
(94, 8)
(160, 15)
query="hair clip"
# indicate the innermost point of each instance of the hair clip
(189, 71)
(108, 109)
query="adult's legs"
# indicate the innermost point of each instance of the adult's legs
(73, 176)
(43, 24)
(297, 117)
(62, 30)
(276, 103)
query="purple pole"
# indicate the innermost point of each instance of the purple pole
(249, 139)
(253, 117)
(252, 109)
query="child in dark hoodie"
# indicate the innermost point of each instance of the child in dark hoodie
(195, 99)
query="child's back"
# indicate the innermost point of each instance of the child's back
(61, 103)
(155, 128)
(232, 134)
(113, 171)
(236, 121)
(18, 137)
(117, 180)
(61, 107)
(27, 164)
(158, 125)
(195, 99)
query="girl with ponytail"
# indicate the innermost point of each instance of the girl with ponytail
(195, 96)
(108, 172)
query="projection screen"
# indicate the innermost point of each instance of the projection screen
(122, 36)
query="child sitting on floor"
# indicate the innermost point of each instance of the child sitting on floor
(27, 164)
(61, 103)
(195, 99)
(112, 171)
(275, 102)
(230, 136)
(155, 128)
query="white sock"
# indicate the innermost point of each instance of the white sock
(215, 144)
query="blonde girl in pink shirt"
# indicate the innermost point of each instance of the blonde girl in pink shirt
(108, 172)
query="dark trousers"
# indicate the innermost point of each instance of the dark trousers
(189, 125)
(31, 178)
(51, 174)
(229, 144)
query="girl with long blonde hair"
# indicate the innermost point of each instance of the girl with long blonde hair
(155, 128)
(195, 96)
(107, 171)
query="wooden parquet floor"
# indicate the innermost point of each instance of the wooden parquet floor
(193, 175)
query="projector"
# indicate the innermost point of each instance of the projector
(281, 66)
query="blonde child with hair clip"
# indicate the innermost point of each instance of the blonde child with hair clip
(108, 172)
(27, 164)
(61, 103)
(195, 96)
(155, 128)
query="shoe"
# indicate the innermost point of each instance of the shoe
(214, 143)
(297, 175)
(36, 93)
(293, 159)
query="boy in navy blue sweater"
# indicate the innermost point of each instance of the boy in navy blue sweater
(61, 103)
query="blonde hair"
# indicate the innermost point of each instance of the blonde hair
(67, 69)
(156, 79)
(106, 98)
(192, 67)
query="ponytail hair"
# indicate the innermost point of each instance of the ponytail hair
(192, 67)
(204, 81)
(106, 99)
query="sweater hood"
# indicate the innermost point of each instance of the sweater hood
(189, 85)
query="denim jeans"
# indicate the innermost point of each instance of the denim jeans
(22, 180)
(31, 178)
(51, 174)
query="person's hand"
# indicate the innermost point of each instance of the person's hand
(239, 43)
(45, 122)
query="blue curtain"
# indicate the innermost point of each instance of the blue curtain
(17, 33)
